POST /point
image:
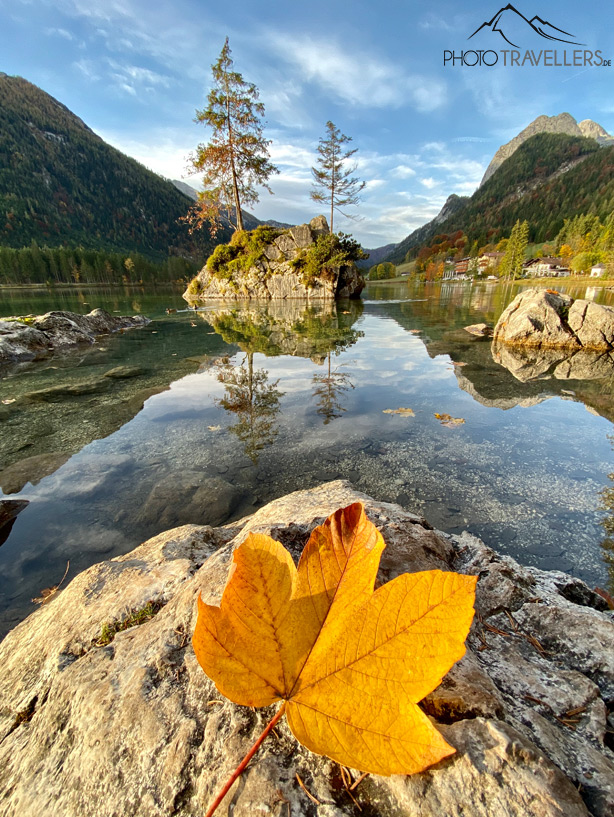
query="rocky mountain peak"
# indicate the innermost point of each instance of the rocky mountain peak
(593, 129)
(562, 123)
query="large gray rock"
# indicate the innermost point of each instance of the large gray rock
(20, 341)
(57, 331)
(274, 278)
(136, 728)
(544, 318)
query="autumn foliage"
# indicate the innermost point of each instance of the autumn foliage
(350, 663)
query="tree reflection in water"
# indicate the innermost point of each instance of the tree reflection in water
(255, 402)
(328, 391)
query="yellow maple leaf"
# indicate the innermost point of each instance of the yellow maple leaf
(404, 412)
(350, 663)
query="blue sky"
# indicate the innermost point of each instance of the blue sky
(136, 70)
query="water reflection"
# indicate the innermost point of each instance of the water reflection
(532, 363)
(287, 327)
(262, 399)
(51, 409)
(329, 389)
(253, 400)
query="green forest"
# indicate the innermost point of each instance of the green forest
(549, 178)
(63, 186)
(65, 265)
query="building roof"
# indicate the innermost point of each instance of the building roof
(549, 261)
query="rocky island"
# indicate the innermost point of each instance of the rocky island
(306, 262)
(96, 719)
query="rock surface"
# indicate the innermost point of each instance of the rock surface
(135, 727)
(482, 330)
(38, 337)
(274, 279)
(545, 318)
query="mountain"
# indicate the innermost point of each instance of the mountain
(61, 184)
(550, 177)
(422, 234)
(376, 255)
(563, 123)
(515, 29)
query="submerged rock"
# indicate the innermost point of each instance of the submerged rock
(482, 330)
(135, 727)
(32, 470)
(543, 317)
(56, 331)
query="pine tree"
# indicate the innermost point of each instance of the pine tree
(334, 183)
(511, 264)
(236, 159)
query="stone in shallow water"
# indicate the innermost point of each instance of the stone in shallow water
(32, 470)
(124, 372)
(482, 330)
(179, 499)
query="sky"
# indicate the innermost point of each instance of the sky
(136, 71)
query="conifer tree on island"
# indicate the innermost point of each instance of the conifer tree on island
(236, 159)
(334, 184)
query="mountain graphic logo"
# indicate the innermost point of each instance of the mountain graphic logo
(512, 25)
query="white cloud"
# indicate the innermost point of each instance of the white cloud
(434, 21)
(403, 172)
(59, 32)
(429, 182)
(88, 69)
(435, 147)
(134, 79)
(165, 152)
(358, 79)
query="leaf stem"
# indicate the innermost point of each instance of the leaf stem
(243, 764)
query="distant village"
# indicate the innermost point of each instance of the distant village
(462, 269)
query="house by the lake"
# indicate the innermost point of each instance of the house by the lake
(598, 271)
(459, 269)
(489, 260)
(546, 267)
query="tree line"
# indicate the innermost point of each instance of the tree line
(63, 265)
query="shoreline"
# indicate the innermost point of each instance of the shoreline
(96, 285)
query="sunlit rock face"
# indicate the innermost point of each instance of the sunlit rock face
(134, 727)
(273, 277)
(543, 317)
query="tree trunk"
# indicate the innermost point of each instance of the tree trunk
(235, 186)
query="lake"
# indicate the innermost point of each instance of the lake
(205, 417)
